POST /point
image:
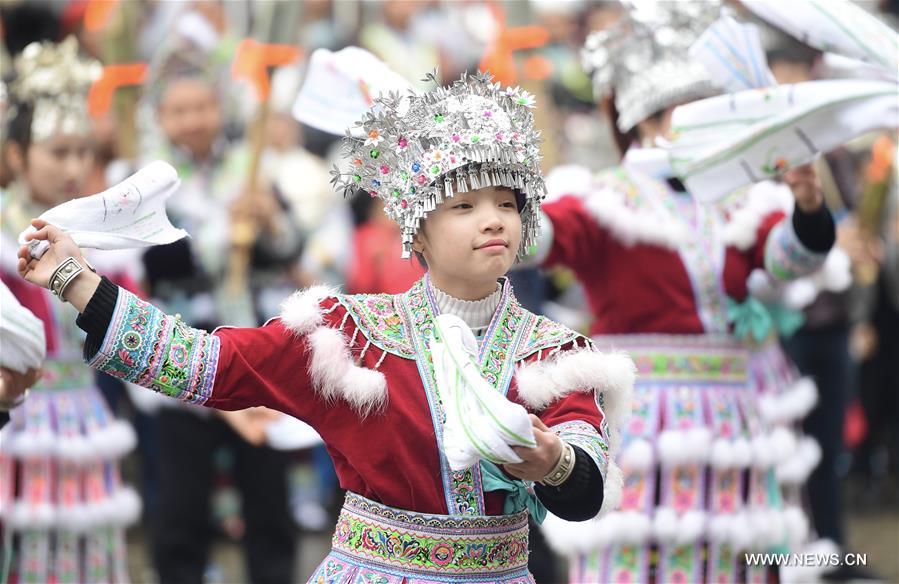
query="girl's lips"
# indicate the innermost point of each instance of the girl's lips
(493, 243)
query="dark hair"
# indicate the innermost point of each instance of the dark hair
(18, 128)
(624, 140)
(26, 23)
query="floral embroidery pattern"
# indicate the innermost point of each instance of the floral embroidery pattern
(145, 346)
(545, 333)
(431, 543)
(671, 366)
(378, 317)
(496, 360)
(785, 256)
(581, 434)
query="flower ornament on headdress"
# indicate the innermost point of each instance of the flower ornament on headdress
(417, 150)
(644, 57)
(55, 81)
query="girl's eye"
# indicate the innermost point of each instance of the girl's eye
(462, 206)
(509, 204)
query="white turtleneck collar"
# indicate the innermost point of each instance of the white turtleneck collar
(477, 314)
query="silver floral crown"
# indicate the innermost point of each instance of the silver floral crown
(55, 81)
(417, 150)
(645, 57)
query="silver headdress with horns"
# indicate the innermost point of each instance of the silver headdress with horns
(55, 81)
(417, 150)
(645, 57)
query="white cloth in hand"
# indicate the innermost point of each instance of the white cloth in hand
(128, 215)
(480, 422)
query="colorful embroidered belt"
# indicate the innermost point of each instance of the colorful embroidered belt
(683, 358)
(439, 545)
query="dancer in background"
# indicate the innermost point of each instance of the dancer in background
(62, 496)
(663, 274)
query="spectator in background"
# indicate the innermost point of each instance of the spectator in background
(821, 347)
(196, 278)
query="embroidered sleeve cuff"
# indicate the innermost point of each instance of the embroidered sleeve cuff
(147, 347)
(786, 257)
(585, 436)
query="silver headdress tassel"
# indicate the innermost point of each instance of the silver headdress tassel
(55, 81)
(417, 150)
(645, 57)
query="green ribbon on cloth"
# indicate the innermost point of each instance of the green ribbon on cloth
(518, 497)
(753, 318)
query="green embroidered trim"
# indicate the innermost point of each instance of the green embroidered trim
(785, 256)
(499, 348)
(145, 346)
(443, 545)
(581, 434)
(379, 318)
(544, 334)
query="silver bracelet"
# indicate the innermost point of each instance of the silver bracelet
(563, 469)
(63, 275)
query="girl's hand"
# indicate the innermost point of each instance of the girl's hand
(537, 462)
(803, 181)
(38, 271)
(61, 247)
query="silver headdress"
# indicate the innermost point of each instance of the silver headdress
(55, 81)
(645, 57)
(418, 150)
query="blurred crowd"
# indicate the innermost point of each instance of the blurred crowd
(260, 184)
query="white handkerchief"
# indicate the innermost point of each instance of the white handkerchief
(480, 422)
(128, 215)
(726, 142)
(339, 88)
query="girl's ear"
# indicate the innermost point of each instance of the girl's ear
(417, 245)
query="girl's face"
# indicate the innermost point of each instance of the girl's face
(55, 170)
(471, 238)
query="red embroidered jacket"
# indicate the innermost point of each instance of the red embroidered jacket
(357, 368)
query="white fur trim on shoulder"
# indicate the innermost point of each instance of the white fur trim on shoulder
(760, 200)
(632, 226)
(301, 312)
(334, 375)
(568, 179)
(612, 374)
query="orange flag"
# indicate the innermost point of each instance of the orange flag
(114, 76)
(253, 60)
(499, 58)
